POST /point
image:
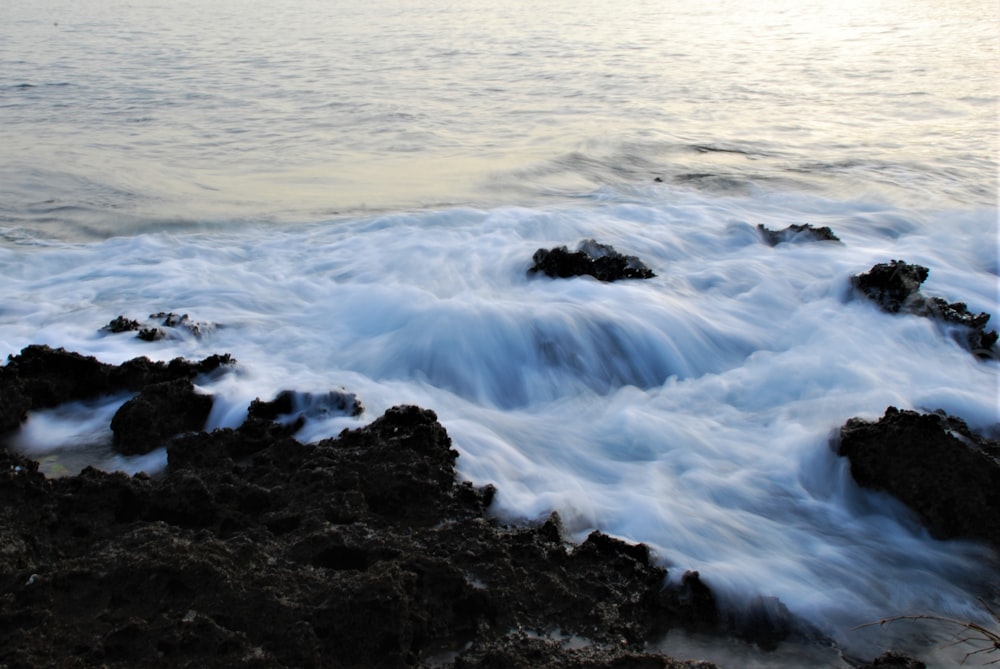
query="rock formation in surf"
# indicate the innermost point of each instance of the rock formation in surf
(797, 233)
(255, 549)
(895, 287)
(934, 464)
(591, 258)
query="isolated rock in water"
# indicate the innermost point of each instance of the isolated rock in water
(121, 324)
(895, 287)
(159, 412)
(168, 325)
(798, 233)
(591, 258)
(41, 377)
(935, 465)
(308, 405)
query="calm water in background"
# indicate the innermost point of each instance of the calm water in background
(352, 192)
(118, 116)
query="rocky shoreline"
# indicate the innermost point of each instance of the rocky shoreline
(361, 550)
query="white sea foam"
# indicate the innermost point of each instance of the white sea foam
(692, 411)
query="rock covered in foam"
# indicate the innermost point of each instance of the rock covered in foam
(41, 377)
(798, 233)
(591, 258)
(895, 287)
(934, 464)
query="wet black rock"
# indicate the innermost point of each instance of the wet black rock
(524, 649)
(121, 324)
(934, 464)
(895, 287)
(289, 403)
(591, 258)
(798, 233)
(158, 412)
(41, 377)
(253, 549)
(172, 326)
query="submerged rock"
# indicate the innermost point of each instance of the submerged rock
(798, 233)
(934, 464)
(295, 404)
(591, 258)
(895, 287)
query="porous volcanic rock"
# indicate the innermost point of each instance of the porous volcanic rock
(895, 287)
(935, 465)
(253, 549)
(798, 233)
(297, 404)
(41, 377)
(591, 258)
(158, 412)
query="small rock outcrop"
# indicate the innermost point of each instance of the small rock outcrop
(591, 258)
(895, 287)
(934, 464)
(294, 404)
(158, 412)
(798, 233)
(160, 325)
(41, 377)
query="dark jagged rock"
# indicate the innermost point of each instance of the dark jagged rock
(934, 464)
(41, 377)
(893, 660)
(121, 324)
(798, 233)
(895, 287)
(291, 403)
(255, 550)
(591, 258)
(159, 412)
(174, 324)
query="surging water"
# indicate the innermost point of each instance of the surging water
(174, 158)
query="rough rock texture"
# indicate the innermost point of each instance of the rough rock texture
(895, 287)
(591, 258)
(798, 233)
(256, 550)
(292, 403)
(253, 549)
(158, 412)
(935, 465)
(161, 325)
(41, 377)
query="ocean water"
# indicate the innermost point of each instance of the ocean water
(349, 196)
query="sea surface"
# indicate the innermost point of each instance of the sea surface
(349, 195)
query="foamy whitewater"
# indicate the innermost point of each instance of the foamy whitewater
(350, 197)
